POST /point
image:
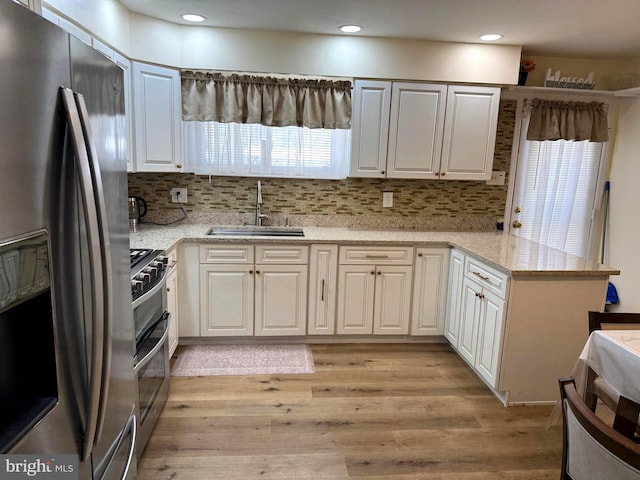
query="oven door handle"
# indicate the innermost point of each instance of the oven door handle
(156, 287)
(147, 358)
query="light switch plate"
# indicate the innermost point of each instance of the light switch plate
(497, 178)
(387, 199)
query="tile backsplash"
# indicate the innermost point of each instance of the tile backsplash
(432, 204)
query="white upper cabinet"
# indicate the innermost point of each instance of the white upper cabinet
(418, 130)
(125, 64)
(415, 130)
(157, 106)
(370, 128)
(470, 132)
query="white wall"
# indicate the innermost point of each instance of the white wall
(335, 55)
(348, 56)
(155, 41)
(106, 20)
(608, 74)
(623, 242)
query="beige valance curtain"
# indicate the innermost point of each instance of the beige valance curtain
(558, 120)
(270, 101)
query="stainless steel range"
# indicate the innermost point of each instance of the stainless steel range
(151, 320)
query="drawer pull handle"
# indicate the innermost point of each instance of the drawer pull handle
(376, 256)
(486, 279)
(322, 291)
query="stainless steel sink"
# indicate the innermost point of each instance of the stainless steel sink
(255, 230)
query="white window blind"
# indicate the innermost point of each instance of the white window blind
(255, 150)
(556, 192)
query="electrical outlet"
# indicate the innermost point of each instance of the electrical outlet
(497, 178)
(178, 195)
(387, 199)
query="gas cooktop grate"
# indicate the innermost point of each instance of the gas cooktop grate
(138, 255)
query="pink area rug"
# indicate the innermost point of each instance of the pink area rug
(204, 360)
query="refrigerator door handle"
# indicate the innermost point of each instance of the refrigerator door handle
(132, 446)
(105, 256)
(97, 277)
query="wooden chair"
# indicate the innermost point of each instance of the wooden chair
(591, 449)
(613, 321)
(597, 387)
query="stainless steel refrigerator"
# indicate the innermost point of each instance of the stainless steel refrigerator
(67, 383)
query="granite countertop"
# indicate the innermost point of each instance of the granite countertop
(510, 254)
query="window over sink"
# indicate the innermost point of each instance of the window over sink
(256, 125)
(213, 148)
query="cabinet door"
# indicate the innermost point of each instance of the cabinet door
(490, 328)
(323, 271)
(470, 132)
(172, 307)
(157, 103)
(356, 285)
(226, 300)
(415, 130)
(456, 274)
(429, 291)
(281, 299)
(469, 315)
(392, 307)
(125, 65)
(370, 128)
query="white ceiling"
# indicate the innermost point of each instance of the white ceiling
(573, 28)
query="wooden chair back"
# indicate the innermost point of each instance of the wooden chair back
(613, 321)
(591, 449)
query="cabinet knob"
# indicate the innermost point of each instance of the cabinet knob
(373, 272)
(168, 289)
(257, 272)
(379, 272)
(420, 254)
(250, 272)
(382, 172)
(516, 224)
(442, 174)
(179, 165)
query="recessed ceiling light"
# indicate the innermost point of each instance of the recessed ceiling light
(350, 28)
(192, 17)
(491, 37)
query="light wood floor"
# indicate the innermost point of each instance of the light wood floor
(369, 412)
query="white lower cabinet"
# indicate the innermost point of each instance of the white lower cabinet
(490, 334)
(172, 301)
(280, 299)
(429, 291)
(374, 298)
(475, 323)
(241, 297)
(323, 275)
(226, 300)
(452, 318)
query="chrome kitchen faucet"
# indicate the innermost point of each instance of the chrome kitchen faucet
(260, 217)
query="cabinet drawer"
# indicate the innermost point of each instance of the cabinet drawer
(282, 254)
(376, 255)
(226, 253)
(486, 276)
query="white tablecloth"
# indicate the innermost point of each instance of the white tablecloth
(615, 356)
